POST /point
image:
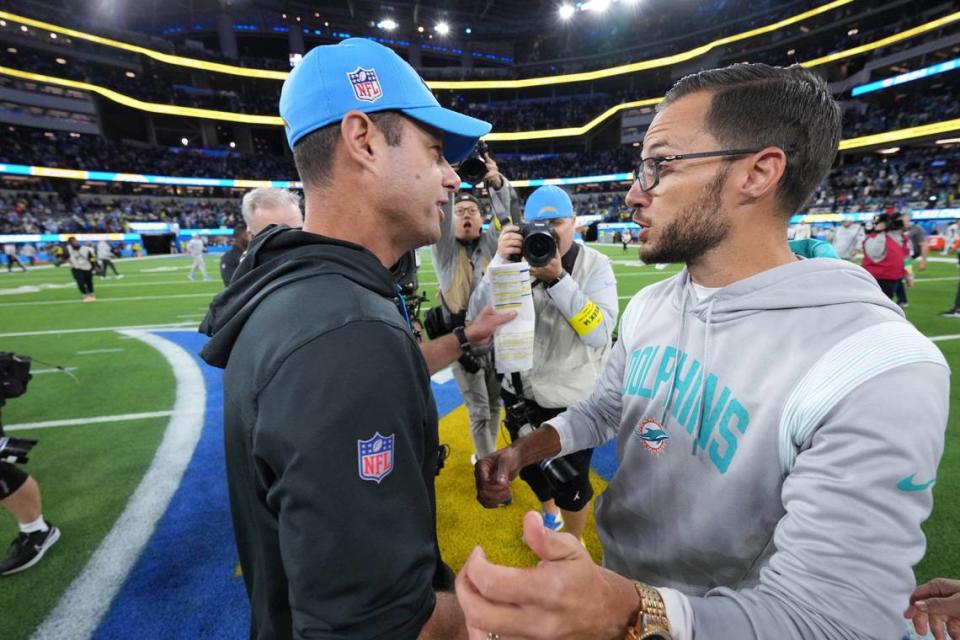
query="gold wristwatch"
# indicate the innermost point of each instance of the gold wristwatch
(652, 622)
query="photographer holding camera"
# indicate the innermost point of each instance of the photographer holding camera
(19, 491)
(885, 251)
(576, 305)
(460, 258)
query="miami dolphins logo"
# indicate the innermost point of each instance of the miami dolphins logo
(651, 435)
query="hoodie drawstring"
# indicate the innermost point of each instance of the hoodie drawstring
(706, 369)
(676, 368)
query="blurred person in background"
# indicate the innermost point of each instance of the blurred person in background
(196, 248)
(83, 261)
(105, 258)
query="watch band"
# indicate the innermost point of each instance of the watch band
(461, 334)
(652, 622)
(560, 277)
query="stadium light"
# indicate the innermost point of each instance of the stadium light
(442, 28)
(889, 151)
(466, 85)
(419, 29)
(566, 11)
(233, 145)
(61, 61)
(468, 31)
(596, 5)
(53, 36)
(184, 141)
(130, 74)
(11, 50)
(387, 25)
(949, 141)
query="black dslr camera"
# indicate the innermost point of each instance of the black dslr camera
(474, 167)
(893, 220)
(14, 377)
(525, 419)
(539, 243)
(15, 450)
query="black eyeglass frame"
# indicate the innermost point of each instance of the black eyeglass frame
(659, 160)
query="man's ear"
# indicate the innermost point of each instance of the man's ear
(761, 174)
(358, 136)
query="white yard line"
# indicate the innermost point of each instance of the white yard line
(955, 336)
(116, 285)
(88, 598)
(88, 352)
(954, 278)
(144, 327)
(40, 372)
(102, 300)
(76, 422)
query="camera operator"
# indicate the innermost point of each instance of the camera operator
(576, 306)
(19, 492)
(885, 251)
(460, 258)
(82, 260)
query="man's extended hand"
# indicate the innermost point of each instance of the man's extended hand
(546, 601)
(935, 608)
(481, 329)
(493, 475)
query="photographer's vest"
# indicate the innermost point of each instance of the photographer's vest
(564, 368)
(468, 268)
(891, 266)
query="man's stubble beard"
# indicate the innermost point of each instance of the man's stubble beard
(696, 230)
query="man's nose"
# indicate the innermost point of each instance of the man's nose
(636, 197)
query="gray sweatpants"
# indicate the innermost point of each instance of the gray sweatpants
(481, 393)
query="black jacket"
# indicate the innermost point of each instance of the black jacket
(336, 533)
(229, 262)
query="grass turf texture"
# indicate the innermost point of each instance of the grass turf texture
(88, 472)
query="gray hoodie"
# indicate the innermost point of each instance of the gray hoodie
(783, 495)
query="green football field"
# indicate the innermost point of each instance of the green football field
(109, 415)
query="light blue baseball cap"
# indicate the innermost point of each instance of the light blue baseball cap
(547, 203)
(362, 75)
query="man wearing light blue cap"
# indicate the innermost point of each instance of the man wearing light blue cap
(576, 305)
(330, 426)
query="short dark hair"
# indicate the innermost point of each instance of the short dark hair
(313, 154)
(757, 105)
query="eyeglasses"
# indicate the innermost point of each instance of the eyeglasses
(647, 172)
(466, 211)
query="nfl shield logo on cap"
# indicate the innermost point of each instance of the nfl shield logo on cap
(375, 457)
(366, 87)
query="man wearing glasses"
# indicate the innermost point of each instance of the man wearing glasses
(765, 489)
(460, 258)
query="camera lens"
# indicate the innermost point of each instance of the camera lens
(539, 248)
(473, 169)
